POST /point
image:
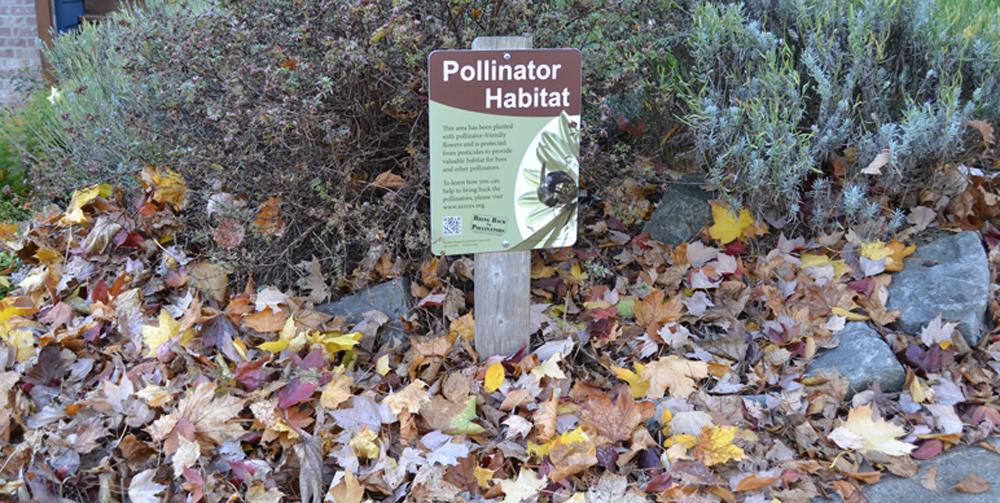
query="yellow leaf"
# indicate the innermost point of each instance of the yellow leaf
(875, 250)
(637, 385)
(166, 185)
(154, 337)
(74, 212)
(715, 445)
(839, 311)
(899, 252)
(864, 431)
(811, 260)
(464, 327)
(675, 374)
(364, 444)
(684, 439)
(727, 226)
(275, 346)
(483, 476)
(336, 392)
(494, 377)
(23, 342)
(577, 272)
(335, 342)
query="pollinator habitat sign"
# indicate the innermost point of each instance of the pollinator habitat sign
(504, 147)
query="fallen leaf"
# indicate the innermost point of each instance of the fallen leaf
(494, 377)
(142, 489)
(268, 221)
(389, 180)
(972, 484)
(865, 432)
(154, 337)
(674, 374)
(715, 445)
(875, 167)
(525, 486)
(727, 226)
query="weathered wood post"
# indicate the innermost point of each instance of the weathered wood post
(503, 279)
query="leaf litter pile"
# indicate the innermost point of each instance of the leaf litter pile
(129, 369)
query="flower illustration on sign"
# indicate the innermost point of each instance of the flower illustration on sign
(549, 204)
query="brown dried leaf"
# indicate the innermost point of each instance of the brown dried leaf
(972, 484)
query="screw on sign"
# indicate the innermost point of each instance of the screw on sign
(505, 170)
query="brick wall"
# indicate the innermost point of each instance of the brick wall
(18, 46)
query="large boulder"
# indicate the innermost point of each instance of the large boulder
(952, 467)
(392, 298)
(862, 357)
(682, 212)
(950, 277)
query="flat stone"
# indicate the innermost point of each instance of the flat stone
(862, 357)
(952, 467)
(392, 298)
(682, 212)
(950, 277)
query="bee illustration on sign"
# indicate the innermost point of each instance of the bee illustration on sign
(549, 205)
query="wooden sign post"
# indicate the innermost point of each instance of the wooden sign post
(505, 143)
(503, 279)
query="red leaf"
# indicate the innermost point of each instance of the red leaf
(295, 392)
(928, 450)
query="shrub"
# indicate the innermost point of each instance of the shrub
(780, 89)
(21, 133)
(295, 108)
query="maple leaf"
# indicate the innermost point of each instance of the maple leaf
(571, 453)
(727, 226)
(411, 398)
(875, 250)
(527, 485)
(212, 418)
(675, 374)
(865, 432)
(494, 377)
(938, 332)
(74, 211)
(336, 392)
(154, 337)
(167, 186)
(549, 368)
(653, 311)
(613, 417)
(463, 327)
(142, 489)
(715, 445)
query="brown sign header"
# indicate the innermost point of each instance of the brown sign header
(526, 83)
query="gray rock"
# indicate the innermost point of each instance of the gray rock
(950, 277)
(391, 298)
(952, 467)
(682, 212)
(863, 358)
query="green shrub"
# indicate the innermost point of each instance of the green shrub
(20, 131)
(779, 88)
(308, 102)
